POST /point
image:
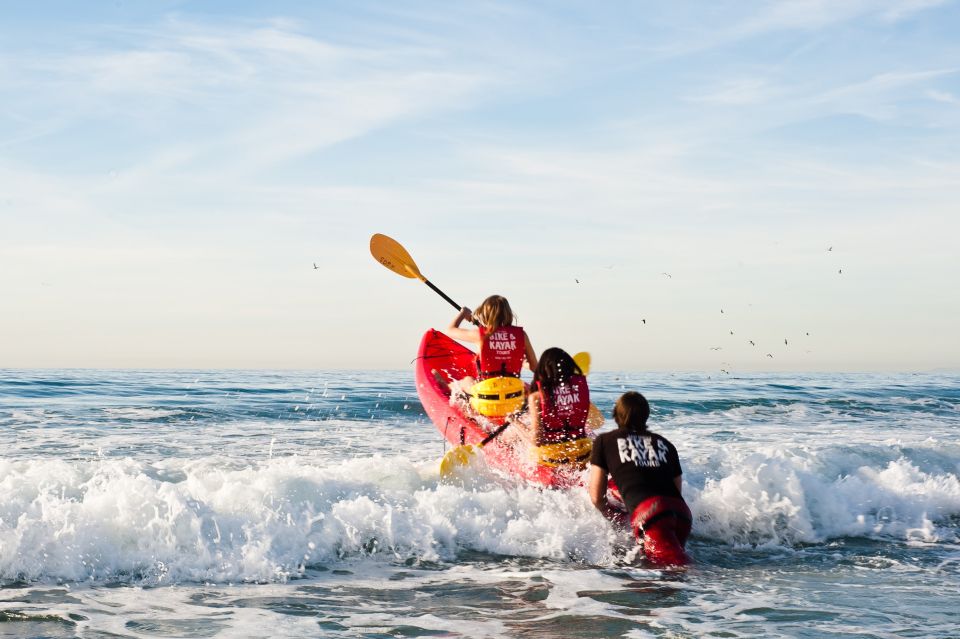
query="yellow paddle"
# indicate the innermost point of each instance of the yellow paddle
(594, 417)
(582, 359)
(391, 254)
(460, 456)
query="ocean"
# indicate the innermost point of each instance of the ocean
(308, 504)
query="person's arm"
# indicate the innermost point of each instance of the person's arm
(529, 352)
(598, 488)
(533, 408)
(463, 334)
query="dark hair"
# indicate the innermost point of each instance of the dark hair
(632, 411)
(554, 367)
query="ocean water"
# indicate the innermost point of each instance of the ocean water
(253, 504)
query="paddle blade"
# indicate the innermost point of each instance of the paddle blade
(594, 417)
(583, 361)
(455, 460)
(391, 254)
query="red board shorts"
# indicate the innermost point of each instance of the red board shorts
(662, 525)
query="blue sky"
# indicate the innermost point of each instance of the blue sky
(170, 172)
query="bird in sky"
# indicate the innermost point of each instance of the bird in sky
(576, 280)
(315, 267)
(769, 355)
(785, 341)
(830, 249)
(752, 343)
(731, 332)
(667, 274)
(644, 321)
(716, 348)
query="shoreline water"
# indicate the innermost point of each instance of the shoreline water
(211, 503)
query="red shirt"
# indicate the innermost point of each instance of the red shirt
(563, 416)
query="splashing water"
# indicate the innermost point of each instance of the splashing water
(260, 503)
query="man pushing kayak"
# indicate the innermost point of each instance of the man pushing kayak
(646, 469)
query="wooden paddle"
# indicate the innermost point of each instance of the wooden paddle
(391, 254)
(460, 456)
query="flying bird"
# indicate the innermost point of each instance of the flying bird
(644, 321)
(830, 249)
(752, 343)
(731, 332)
(716, 348)
(769, 355)
(785, 341)
(576, 280)
(667, 274)
(315, 267)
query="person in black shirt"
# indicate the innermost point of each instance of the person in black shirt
(646, 470)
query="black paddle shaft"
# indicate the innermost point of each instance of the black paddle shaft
(442, 294)
(489, 438)
(446, 297)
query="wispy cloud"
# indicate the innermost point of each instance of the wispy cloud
(263, 95)
(186, 151)
(902, 9)
(757, 19)
(738, 92)
(943, 96)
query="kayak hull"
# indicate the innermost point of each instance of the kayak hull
(441, 356)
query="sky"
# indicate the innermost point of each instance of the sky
(717, 186)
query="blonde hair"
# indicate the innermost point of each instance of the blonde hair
(494, 312)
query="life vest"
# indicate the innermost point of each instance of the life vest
(501, 352)
(563, 416)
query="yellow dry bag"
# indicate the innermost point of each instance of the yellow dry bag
(497, 396)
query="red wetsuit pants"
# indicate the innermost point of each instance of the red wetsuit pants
(662, 525)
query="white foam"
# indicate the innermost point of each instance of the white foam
(139, 414)
(779, 496)
(223, 519)
(215, 520)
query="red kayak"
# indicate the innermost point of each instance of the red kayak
(452, 361)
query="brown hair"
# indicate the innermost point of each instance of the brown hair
(554, 368)
(494, 312)
(632, 411)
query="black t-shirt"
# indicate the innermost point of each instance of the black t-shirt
(643, 465)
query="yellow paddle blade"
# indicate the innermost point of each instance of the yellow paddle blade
(594, 417)
(454, 460)
(391, 254)
(583, 361)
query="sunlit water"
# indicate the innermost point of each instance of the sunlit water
(203, 504)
